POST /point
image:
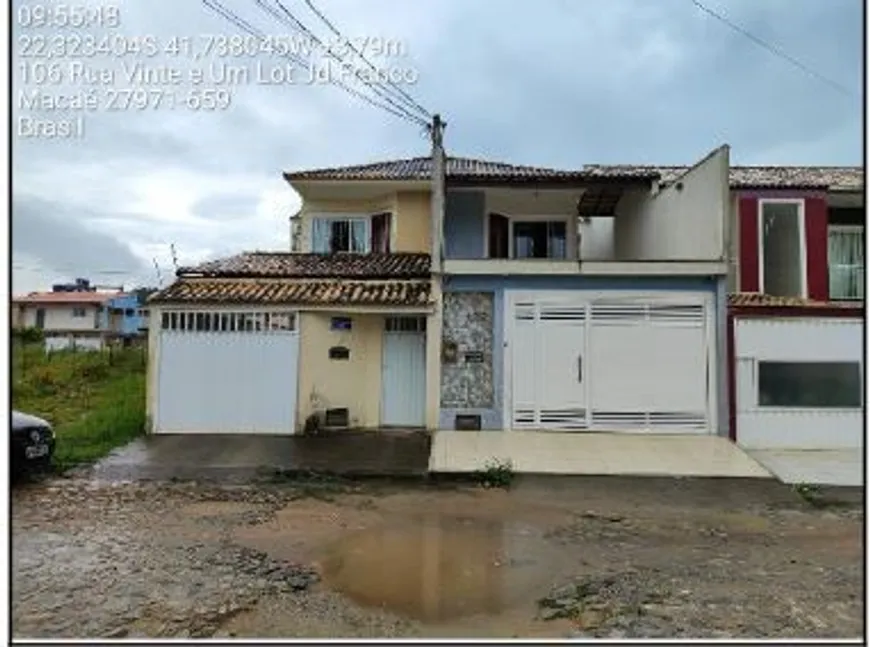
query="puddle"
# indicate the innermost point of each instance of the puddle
(437, 569)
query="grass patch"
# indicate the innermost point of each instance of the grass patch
(497, 473)
(94, 400)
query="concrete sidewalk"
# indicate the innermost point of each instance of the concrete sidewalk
(838, 467)
(542, 452)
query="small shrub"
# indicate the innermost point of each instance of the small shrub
(810, 493)
(497, 473)
(31, 335)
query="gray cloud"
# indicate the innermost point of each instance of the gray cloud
(61, 240)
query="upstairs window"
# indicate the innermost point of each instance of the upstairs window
(359, 235)
(79, 312)
(846, 254)
(782, 251)
(334, 235)
(539, 239)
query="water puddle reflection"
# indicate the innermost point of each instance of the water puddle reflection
(437, 569)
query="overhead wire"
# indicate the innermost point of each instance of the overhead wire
(299, 26)
(229, 15)
(773, 49)
(336, 32)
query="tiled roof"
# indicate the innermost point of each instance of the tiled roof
(61, 298)
(291, 264)
(835, 178)
(296, 292)
(460, 168)
(756, 299)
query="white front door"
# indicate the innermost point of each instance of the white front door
(403, 372)
(609, 362)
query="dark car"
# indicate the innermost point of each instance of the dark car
(31, 443)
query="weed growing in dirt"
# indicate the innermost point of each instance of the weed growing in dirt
(95, 400)
(812, 494)
(497, 473)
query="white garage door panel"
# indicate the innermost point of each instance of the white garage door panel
(227, 382)
(648, 367)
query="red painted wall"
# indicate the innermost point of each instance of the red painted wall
(816, 224)
(747, 210)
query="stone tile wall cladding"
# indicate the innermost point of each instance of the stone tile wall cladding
(466, 383)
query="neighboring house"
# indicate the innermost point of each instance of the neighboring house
(123, 315)
(67, 319)
(534, 329)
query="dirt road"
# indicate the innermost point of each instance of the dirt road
(548, 558)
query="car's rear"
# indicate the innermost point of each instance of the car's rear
(31, 443)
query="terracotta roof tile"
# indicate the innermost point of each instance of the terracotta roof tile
(835, 178)
(60, 298)
(458, 169)
(296, 292)
(756, 299)
(291, 264)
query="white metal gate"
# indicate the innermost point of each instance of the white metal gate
(403, 374)
(610, 362)
(227, 372)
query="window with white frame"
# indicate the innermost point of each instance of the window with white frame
(351, 234)
(782, 249)
(846, 261)
(330, 235)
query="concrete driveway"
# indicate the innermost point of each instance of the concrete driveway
(838, 467)
(236, 458)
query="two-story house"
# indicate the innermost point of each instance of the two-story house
(68, 318)
(335, 335)
(526, 327)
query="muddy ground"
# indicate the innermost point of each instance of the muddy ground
(551, 557)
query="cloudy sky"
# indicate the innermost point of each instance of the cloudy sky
(553, 82)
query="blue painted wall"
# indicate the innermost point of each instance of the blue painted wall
(463, 224)
(492, 418)
(131, 321)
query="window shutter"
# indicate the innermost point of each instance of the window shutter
(498, 236)
(381, 233)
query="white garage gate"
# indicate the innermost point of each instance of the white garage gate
(609, 362)
(799, 382)
(223, 371)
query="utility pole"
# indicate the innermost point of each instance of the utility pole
(435, 322)
(438, 181)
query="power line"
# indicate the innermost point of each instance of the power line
(402, 93)
(227, 14)
(773, 49)
(298, 25)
